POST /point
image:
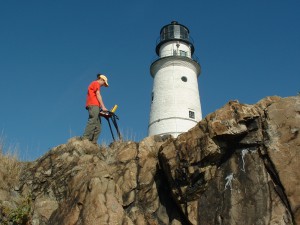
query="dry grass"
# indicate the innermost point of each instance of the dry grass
(10, 167)
(127, 135)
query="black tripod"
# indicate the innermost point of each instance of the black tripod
(113, 117)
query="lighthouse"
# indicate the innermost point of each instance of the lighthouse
(175, 99)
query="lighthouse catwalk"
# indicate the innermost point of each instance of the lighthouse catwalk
(175, 100)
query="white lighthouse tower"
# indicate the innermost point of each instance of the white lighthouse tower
(175, 106)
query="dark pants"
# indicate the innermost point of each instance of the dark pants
(93, 126)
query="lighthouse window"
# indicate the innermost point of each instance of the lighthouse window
(184, 78)
(167, 33)
(192, 114)
(182, 53)
(184, 33)
(152, 96)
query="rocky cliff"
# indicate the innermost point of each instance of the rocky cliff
(239, 165)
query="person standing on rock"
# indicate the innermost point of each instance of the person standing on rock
(94, 103)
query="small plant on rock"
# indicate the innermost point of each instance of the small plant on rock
(19, 215)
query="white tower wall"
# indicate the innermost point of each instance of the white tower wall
(175, 95)
(175, 48)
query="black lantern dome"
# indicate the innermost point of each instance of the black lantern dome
(174, 32)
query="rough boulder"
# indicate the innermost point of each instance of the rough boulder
(239, 165)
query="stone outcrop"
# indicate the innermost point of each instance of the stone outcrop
(239, 165)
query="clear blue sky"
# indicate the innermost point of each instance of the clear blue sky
(51, 50)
